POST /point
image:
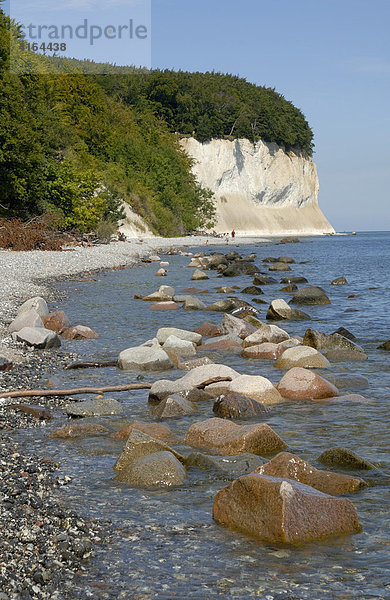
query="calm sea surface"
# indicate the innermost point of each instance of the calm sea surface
(167, 544)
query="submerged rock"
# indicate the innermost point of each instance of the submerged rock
(158, 470)
(343, 457)
(233, 466)
(226, 437)
(140, 444)
(79, 430)
(310, 295)
(385, 346)
(155, 430)
(93, 408)
(287, 465)
(280, 510)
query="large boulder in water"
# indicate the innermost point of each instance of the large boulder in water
(236, 406)
(173, 406)
(289, 466)
(144, 358)
(279, 266)
(310, 295)
(179, 347)
(158, 470)
(79, 332)
(302, 384)
(266, 333)
(279, 310)
(280, 510)
(343, 457)
(140, 444)
(252, 386)
(226, 437)
(239, 327)
(302, 356)
(155, 430)
(334, 346)
(183, 334)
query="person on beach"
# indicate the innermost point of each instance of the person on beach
(233, 233)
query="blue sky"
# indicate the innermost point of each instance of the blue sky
(331, 58)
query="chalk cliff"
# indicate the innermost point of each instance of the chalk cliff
(259, 189)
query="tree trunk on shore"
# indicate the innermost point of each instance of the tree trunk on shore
(73, 391)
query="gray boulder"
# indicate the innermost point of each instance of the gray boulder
(339, 281)
(183, 334)
(94, 408)
(310, 295)
(279, 310)
(28, 318)
(180, 347)
(144, 358)
(175, 405)
(37, 303)
(38, 337)
(334, 346)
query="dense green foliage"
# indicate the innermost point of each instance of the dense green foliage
(74, 144)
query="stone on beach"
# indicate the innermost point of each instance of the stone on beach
(279, 310)
(226, 437)
(79, 332)
(280, 510)
(310, 295)
(236, 406)
(38, 412)
(56, 321)
(79, 430)
(266, 333)
(290, 466)
(94, 408)
(38, 337)
(301, 384)
(252, 386)
(28, 318)
(5, 363)
(144, 358)
(302, 356)
(343, 457)
(141, 444)
(37, 303)
(183, 334)
(158, 470)
(155, 430)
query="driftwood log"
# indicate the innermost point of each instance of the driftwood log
(74, 391)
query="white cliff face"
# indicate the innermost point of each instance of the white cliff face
(259, 189)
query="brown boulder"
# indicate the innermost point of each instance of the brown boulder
(235, 406)
(226, 437)
(79, 430)
(343, 457)
(141, 444)
(170, 305)
(302, 384)
(287, 465)
(282, 510)
(56, 321)
(79, 332)
(158, 470)
(155, 430)
(208, 330)
(225, 344)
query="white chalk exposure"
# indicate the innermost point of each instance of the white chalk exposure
(259, 188)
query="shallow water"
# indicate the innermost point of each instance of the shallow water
(168, 545)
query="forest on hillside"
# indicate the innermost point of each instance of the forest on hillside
(75, 144)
